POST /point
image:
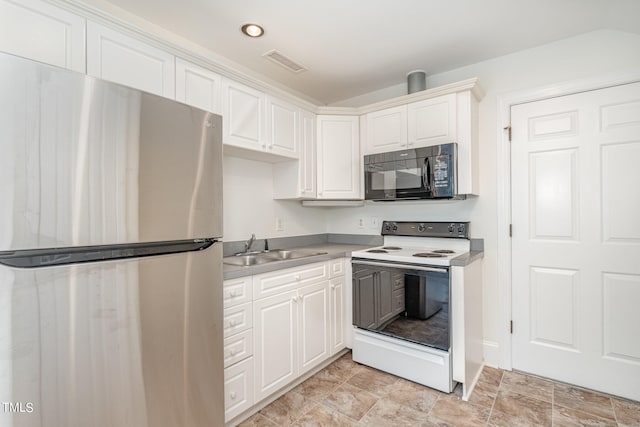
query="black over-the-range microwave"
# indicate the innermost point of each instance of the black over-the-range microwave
(419, 173)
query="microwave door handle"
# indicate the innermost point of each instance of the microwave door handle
(426, 174)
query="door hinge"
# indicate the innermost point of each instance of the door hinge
(508, 129)
(510, 230)
(510, 326)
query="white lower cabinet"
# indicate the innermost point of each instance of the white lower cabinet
(338, 318)
(292, 336)
(238, 346)
(275, 342)
(238, 388)
(313, 318)
(297, 321)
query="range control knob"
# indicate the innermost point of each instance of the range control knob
(451, 228)
(461, 229)
(387, 226)
(421, 228)
(395, 227)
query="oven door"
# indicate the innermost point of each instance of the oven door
(409, 302)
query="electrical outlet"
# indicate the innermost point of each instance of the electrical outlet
(374, 222)
(279, 224)
(360, 222)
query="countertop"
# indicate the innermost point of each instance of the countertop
(333, 250)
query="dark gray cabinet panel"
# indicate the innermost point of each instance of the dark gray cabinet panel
(364, 299)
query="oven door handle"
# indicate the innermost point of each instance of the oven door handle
(407, 266)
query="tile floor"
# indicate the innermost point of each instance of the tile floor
(348, 394)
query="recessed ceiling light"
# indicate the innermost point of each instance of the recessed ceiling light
(252, 30)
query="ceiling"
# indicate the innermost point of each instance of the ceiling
(352, 47)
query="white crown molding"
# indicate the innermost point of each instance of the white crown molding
(104, 13)
(113, 17)
(469, 84)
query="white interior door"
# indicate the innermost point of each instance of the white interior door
(576, 239)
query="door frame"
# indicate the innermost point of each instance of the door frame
(503, 198)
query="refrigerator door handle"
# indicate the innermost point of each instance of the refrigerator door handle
(50, 257)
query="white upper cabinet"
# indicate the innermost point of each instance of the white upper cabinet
(339, 165)
(432, 121)
(243, 116)
(198, 86)
(418, 124)
(296, 179)
(122, 59)
(42, 32)
(258, 126)
(282, 128)
(386, 130)
(308, 158)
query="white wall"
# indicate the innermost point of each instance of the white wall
(591, 55)
(249, 206)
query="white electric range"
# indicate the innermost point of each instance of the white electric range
(401, 300)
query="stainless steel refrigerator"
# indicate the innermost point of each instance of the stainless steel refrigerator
(110, 259)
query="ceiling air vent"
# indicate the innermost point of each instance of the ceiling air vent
(282, 60)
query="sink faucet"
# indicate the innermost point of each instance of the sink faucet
(248, 243)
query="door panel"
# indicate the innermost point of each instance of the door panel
(313, 305)
(276, 329)
(576, 239)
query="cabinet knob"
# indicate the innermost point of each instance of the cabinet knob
(232, 395)
(333, 286)
(297, 278)
(234, 322)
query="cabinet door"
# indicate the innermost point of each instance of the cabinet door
(243, 116)
(364, 299)
(432, 121)
(386, 300)
(122, 59)
(238, 388)
(337, 289)
(275, 342)
(386, 130)
(198, 86)
(282, 128)
(308, 160)
(313, 308)
(42, 32)
(339, 166)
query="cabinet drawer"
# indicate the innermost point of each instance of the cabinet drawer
(238, 347)
(237, 319)
(289, 279)
(398, 301)
(238, 388)
(236, 291)
(336, 267)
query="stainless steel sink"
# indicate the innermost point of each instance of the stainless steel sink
(270, 256)
(245, 260)
(292, 254)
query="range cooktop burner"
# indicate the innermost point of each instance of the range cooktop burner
(429, 255)
(392, 248)
(378, 251)
(443, 251)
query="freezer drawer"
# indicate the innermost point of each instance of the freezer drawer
(135, 342)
